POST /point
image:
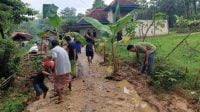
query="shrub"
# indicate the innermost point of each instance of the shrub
(167, 79)
(9, 61)
(186, 25)
(166, 76)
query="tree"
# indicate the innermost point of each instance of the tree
(97, 4)
(80, 15)
(69, 15)
(13, 12)
(68, 12)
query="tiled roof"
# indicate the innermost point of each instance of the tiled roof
(99, 14)
(22, 36)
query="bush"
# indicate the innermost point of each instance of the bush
(15, 104)
(185, 25)
(167, 79)
(9, 61)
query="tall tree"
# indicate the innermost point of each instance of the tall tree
(69, 15)
(13, 12)
(97, 4)
(68, 12)
(80, 15)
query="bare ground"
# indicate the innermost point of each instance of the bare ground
(91, 92)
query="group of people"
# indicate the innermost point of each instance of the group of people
(61, 67)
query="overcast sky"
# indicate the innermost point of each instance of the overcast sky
(80, 5)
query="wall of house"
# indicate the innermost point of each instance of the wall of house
(159, 28)
(110, 16)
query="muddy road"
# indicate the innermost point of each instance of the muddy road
(91, 92)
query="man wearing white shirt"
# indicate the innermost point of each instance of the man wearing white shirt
(62, 69)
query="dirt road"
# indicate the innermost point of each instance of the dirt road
(91, 92)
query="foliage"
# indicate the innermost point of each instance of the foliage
(13, 106)
(37, 64)
(166, 79)
(187, 25)
(55, 21)
(33, 27)
(9, 62)
(187, 8)
(130, 28)
(68, 12)
(112, 31)
(69, 16)
(97, 4)
(49, 10)
(13, 99)
(77, 36)
(13, 12)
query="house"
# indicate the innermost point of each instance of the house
(106, 16)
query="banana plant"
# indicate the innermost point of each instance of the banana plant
(112, 31)
(78, 37)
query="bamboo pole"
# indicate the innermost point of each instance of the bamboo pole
(178, 45)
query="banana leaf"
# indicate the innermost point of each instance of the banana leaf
(55, 21)
(78, 37)
(122, 23)
(98, 25)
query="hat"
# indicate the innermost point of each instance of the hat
(49, 64)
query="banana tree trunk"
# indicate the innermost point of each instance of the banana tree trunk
(115, 65)
(104, 53)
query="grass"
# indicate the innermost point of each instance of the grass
(183, 56)
(13, 101)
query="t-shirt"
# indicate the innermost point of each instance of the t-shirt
(71, 47)
(141, 47)
(63, 65)
(38, 78)
(78, 47)
(89, 46)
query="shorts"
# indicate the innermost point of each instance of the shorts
(90, 54)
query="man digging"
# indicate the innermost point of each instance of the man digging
(149, 50)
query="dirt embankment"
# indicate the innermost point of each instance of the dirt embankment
(177, 101)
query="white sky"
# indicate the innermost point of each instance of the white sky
(80, 5)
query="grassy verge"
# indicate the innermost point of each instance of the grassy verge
(13, 100)
(184, 60)
(184, 56)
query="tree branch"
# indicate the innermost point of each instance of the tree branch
(144, 37)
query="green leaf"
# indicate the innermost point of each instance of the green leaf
(55, 21)
(78, 37)
(122, 23)
(49, 10)
(98, 25)
(117, 13)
